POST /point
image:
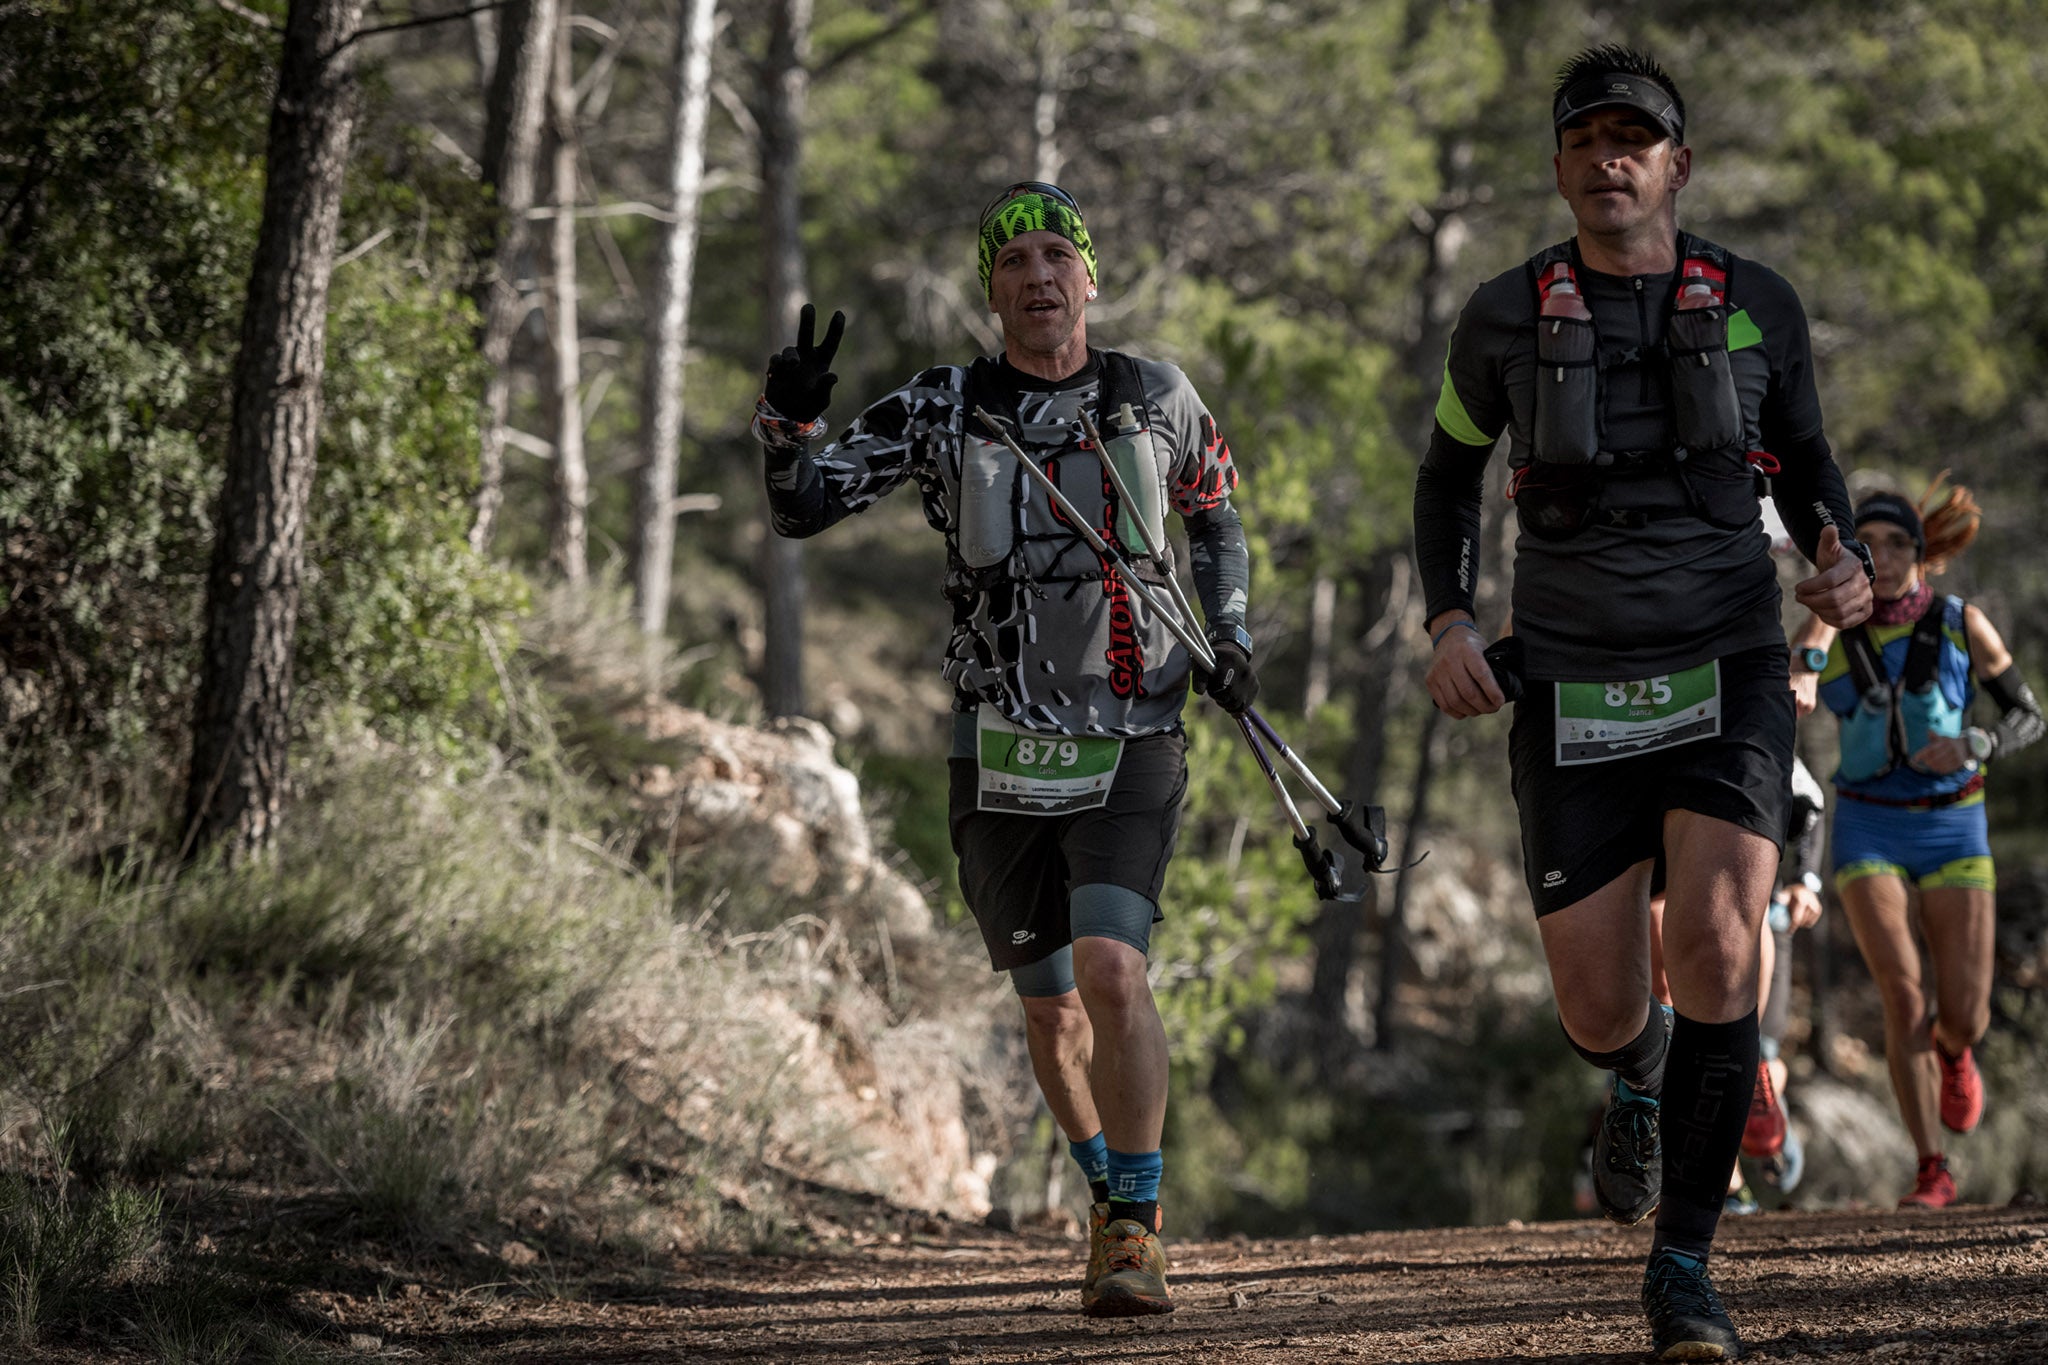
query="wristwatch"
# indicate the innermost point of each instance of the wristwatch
(1237, 635)
(1862, 552)
(1979, 742)
(1810, 659)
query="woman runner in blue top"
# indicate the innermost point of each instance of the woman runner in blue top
(1911, 807)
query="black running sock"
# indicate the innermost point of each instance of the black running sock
(1144, 1213)
(1707, 1083)
(1639, 1062)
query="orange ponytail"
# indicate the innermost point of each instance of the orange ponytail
(1950, 517)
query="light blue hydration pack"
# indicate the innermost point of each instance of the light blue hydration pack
(1908, 687)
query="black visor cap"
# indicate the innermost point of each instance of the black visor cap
(1618, 87)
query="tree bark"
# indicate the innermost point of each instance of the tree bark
(1322, 630)
(241, 716)
(1394, 931)
(661, 388)
(784, 83)
(569, 539)
(526, 38)
(1376, 690)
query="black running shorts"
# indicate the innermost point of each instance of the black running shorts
(1586, 824)
(1016, 871)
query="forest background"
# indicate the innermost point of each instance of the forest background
(407, 1006)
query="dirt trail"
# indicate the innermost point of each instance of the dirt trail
(1962, 1285)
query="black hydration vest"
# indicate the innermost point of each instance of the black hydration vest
(1557, 492)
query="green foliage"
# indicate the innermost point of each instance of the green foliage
(128, 217)
(127, 227)
(1237, 898)
(61, 1247)
(1479, 1126)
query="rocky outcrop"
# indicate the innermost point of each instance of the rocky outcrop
(778, 794)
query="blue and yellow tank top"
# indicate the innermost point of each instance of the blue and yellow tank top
(1867, 765)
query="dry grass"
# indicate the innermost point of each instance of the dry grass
(447, 1005)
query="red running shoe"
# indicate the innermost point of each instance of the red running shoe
(1933, 1188)
(1962, 1088)
(1764, 1134)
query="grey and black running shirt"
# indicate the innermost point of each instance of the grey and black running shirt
(1073, 650)
(1613, 603)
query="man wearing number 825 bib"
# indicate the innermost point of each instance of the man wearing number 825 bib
(1646, 379)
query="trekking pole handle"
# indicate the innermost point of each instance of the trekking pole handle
(1193, 643)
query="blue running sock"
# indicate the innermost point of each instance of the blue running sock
(1134, 1187)
(1093, 1158)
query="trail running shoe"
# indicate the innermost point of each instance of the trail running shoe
(1933, 1187)
(1764, 1134)
(1687, 1321)
(1962, 1089)
(1783, 1170)
(1628, 1167)
(1126, 1269)
(1741, 1200)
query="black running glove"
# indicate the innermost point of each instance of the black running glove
(800, 377)
(1232, 685)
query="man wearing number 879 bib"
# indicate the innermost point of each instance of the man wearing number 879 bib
(1646, 380)
(1068, 763)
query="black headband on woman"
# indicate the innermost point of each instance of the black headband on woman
(1900, 513)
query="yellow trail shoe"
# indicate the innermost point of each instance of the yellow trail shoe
(1126, 1269)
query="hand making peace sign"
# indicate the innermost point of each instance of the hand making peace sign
(800, 377)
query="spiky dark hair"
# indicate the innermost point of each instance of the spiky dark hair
(1597, 61)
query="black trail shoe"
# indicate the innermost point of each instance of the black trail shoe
(1687, 1321)
(1628, 1163)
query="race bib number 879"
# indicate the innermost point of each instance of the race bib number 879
(1038, 774)
(1598, 722)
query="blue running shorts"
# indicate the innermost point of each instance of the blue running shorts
(1930, 846)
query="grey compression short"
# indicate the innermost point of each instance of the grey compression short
(1097, 910)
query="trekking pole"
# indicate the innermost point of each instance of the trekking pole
(1323, 867)
(1152, 547)
(1364, 827)
(1192, 643)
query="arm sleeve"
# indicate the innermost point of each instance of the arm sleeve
(1808, 487)
(1449, 489)
(1221, 564)
(1471, 412)
(1204, 475)
(870, 460)
(2020, 722)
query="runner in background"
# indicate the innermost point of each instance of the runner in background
(1909, 808)
(1068, 763)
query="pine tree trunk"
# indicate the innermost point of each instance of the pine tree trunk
(1394, 929)
(569, 538)
(241, 717)
(784, 84)
(526, 45)
(661, 388)
(1336, 932)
